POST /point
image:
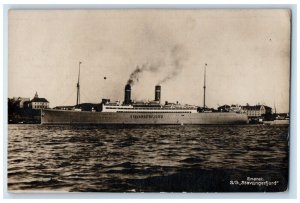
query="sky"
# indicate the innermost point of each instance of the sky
(247, 53)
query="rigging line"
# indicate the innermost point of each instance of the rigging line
(68, 98)
(85, 97)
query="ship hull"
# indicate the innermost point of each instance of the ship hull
(59, 117)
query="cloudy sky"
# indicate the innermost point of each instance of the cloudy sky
(247, 54)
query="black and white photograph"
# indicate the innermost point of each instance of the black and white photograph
(148, 100)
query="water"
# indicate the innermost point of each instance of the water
(146, 158)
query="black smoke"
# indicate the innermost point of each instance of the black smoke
(175, 58)
(135, 75)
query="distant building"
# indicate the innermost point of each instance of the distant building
(282, 116)
(224, 108)
(27, 104)
(232, 108)
(19, 101)
(65, 107)
(257, 111)
(38, 103)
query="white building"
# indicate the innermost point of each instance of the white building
(257, 110)
(39, 103)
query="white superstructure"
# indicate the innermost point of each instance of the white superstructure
(148, 109)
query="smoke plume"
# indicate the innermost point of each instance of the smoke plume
(135, 75)
(175, 59)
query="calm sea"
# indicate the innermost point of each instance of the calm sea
(148, 158)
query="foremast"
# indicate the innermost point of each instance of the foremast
(204, 86)
(78, 87)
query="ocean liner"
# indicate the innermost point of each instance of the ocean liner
(140, 113)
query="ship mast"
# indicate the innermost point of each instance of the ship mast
(78, 87)
(204, 87)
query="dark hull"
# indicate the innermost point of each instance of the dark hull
(53, 117)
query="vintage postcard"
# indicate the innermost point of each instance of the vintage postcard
(149, 100)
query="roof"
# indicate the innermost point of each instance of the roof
(256, 107)
(21, 98)
(39, 100)
(224, 106)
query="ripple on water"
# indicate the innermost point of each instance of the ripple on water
(147, 158)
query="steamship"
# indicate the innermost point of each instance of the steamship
(140, 113)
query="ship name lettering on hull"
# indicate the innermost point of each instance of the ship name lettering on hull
(146, 116)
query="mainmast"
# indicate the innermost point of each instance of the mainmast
(204, 87)
(78, 87)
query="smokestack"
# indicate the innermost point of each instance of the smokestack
(157, 93)
(127, 97)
